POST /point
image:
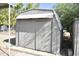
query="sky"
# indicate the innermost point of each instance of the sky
(47, 5)
(44, 5)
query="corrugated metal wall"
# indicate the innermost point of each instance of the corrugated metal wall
(43, 35)
(26, 36)
(76, 37)
(56, 34)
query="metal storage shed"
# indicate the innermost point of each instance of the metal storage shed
(39, 29)
(76, 36)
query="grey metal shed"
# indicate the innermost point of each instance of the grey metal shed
(76, 36)
(39, 29)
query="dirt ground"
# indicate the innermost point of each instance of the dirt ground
(3, 36)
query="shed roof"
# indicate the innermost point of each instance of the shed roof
(36, 13)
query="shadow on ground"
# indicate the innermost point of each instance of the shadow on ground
(12, 41)
(67, 48)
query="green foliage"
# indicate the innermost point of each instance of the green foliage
(4, 16)
(16, 9)
(32, 6)
(18, 6)
(67, 13)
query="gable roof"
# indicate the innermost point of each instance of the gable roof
(36, 13)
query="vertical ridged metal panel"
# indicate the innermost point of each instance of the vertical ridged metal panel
(76, 37)
(43, 36)
(56, 34)
(26, 34)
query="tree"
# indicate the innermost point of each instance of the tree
(4, 16)
(32, 6)
(67, 13)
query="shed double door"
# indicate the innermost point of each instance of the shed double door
(35, 35)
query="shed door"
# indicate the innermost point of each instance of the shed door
(43, 36)
(27, 34)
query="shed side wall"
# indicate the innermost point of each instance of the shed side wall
(76, 37)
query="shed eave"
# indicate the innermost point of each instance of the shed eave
(45, 15)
